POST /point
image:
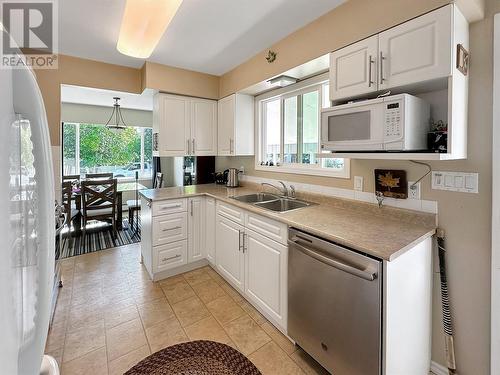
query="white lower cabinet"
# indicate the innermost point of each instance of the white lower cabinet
(170, 256)
(210, 229)
(196, 229)
(266, 275)
(229, 256)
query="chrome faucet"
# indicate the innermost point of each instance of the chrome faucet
(283, 190)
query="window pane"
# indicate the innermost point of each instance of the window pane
(290, 130)
(310, 127)
(69, 149)
(333, 163)
(148, 152)
(272, 131)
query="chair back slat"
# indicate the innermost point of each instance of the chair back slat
(99, 176)
(67, 193)
(71, 177)
(98, 195)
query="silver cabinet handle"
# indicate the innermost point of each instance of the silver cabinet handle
(191, 207)
(239, 240)
(367, 275)
(170, 258)
(382, 58)
(188, 147)
(170, 206)
(192, 141)
(173, 228)
(245, 238)
(231, 145)
(370, 62)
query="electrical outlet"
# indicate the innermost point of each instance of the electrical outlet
(413, 191)
(358, 183)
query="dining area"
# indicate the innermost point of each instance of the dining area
(102, 211)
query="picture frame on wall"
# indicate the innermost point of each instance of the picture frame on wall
(462, 59)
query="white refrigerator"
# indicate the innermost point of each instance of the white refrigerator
(27, 225)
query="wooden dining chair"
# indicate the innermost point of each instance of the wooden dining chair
(67, 201)
(135, 204)
(71, 177)
(98, 176)
(99, 201)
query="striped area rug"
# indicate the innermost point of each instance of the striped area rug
(99, 236)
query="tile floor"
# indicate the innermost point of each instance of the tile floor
(110, 315)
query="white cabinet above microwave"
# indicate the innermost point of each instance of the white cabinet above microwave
(415, 51)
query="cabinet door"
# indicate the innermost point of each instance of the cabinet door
(417, 50)
(174, 125)
(225, 127)
(210, 229)
(169, 228)
(196, 229)
(203, 127)
(353, 69)
(170, 256)
(266, 275)
(229, 256)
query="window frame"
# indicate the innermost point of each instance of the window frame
(77, 152)
(301, 88)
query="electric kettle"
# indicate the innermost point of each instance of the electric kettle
(232, 177)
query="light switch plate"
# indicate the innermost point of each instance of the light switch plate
(456, 181)
(358, 183)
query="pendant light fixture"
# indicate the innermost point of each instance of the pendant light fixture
(143, 24)
(118, 124)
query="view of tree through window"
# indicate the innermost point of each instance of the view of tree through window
(91, 148)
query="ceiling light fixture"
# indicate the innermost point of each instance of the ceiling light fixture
(282, 81)
(143, 24)
(117, 115)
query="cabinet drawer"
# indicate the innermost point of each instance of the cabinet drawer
(231, 212)
(169, 207)
(267, 227)
(169, 228)
(170, 255)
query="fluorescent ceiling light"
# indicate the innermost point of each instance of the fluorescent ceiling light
(282, 81)
(143, 25)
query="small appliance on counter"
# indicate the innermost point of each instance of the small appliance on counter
(229, 177)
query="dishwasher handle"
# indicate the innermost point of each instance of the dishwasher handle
(367, 275)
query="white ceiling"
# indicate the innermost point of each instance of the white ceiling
(91, 96)
(211, 36)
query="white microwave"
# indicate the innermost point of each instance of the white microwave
(392, 123)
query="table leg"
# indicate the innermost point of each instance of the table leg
(119, 207)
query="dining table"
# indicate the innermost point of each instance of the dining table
(121, 187)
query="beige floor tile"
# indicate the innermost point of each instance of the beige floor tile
(190, 311)
(214, 275)
(84, 340)
(83, 315)
(117, 317)
(271, 360)
(86, 296)
(232, 292)
(197, 276)
(55, 338)
(246, 334)
(178, 291)
(171, 280)
(208, 291)
(94, 363)
(126, 362)
(124, 338)
(149, 292)
(166, 333)
(254, 314)
(279, 338)
(307, 363)
(154, 312)
(207, 329)
(224, 309)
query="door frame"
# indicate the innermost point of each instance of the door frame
(495, 219)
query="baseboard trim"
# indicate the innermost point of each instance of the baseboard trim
(438, 369)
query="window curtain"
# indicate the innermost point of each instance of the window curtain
(156, 167)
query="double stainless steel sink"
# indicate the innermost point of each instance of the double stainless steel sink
(273, 202)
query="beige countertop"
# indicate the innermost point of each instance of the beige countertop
(384, 232)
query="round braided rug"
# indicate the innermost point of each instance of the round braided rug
(196, 357)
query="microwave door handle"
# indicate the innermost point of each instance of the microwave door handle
(367, 275)
(370, 64)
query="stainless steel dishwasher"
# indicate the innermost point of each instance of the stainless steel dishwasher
(335, 305)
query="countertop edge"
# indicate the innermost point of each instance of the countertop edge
(275, 216)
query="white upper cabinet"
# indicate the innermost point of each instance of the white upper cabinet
(185, 126)
(172, 124)
(353, 69)
(236, 125)
(416, 51)
(203, 127)
(411, 53)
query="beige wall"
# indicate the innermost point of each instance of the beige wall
(466, 218)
